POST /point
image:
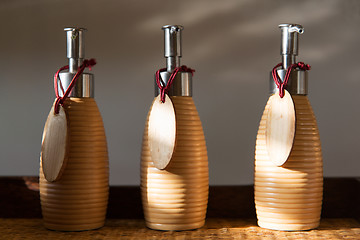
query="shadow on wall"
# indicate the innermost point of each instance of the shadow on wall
(232, 45)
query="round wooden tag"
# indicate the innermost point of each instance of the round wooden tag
(162, 132)
(54, 148)
(280, 128)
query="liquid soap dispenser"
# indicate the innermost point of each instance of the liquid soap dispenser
(174, 163)
(74, 159)
(288, 157)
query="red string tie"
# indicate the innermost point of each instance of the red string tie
(60, 100)
(281, 85)
(164, 89)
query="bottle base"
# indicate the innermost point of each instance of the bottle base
(288, 227)
(175, 227)
(74, 227)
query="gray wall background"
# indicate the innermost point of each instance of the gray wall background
(232, 44)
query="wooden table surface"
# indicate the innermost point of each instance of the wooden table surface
(230, 214)
(215, 228)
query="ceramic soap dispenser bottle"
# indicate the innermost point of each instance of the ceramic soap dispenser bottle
(74, 159)
(174, 163)
(288, 158)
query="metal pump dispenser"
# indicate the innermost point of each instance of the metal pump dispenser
(75, 47)
(289, 42)
(289, 50)
(182, 84)
(288, 196)
(75, 52)
(175, 196)
(172, 34)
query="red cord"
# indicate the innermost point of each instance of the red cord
(165, 89)
(281, 85)
(61, 100)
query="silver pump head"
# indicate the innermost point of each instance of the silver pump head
(289, 42)
(182, 84)
(172, 45)
(75, 47)
(75, 52)
(298, 82)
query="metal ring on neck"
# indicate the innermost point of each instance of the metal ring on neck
(297, 84)
(84, 87)
(181, 85)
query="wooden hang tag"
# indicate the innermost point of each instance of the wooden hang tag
(54, 148)
(162, 132)
(280, 128)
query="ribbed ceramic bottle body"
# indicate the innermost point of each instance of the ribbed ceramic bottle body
(78, 201)
(176, 198)
(289, 197)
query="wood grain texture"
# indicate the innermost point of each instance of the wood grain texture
(214, 229)
(280, 127)
(55, 145)
(78, 201)
(176, 198)
(290, 197)
(161, 131)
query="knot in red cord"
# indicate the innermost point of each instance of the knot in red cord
(164, 89)
(89, 63)
(281, 85)
(303, 66)
(60, 100)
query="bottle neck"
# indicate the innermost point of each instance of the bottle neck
(181, 85)
(84, 87)
(297, 84)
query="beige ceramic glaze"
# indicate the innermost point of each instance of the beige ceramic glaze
(78, 201)
(289, 197)
(176, 198)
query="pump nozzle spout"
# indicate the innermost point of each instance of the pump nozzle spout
(296, 28)
(289, 42)
(75, 47)
(172, 45)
